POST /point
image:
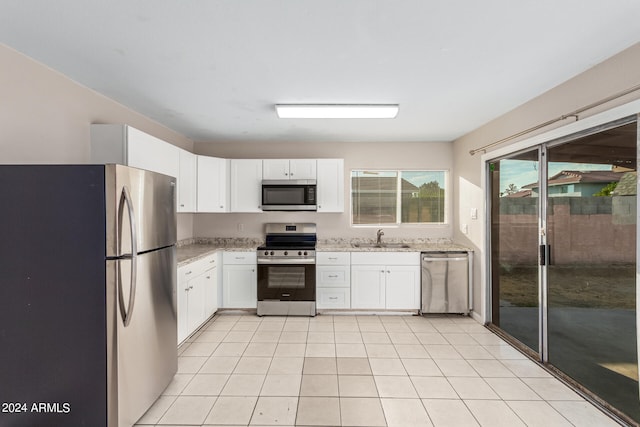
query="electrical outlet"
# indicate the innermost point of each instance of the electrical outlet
(474, 213)
(465, 228)
(240, 227)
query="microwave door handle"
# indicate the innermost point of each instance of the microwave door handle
(126, 313)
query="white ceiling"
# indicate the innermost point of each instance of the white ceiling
(213, 69)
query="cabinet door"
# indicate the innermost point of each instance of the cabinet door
(240, 286)
(148, 152)
(302, 169)
(330, 185)
(196, 310)
(246, 185)
(212, 184)
(187, 182)
(275, 169)
(367, 286)
(402, 287)
(210, 292)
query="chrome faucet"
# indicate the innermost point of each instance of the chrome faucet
(379, 237)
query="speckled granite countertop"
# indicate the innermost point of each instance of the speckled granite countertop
(193, 249)
(415, 245)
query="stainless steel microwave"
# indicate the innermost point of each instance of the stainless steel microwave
(289, 195)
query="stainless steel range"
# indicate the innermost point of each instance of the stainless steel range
(287, 270)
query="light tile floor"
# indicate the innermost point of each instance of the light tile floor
(347, 370)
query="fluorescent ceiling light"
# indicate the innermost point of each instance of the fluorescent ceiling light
(337, 111)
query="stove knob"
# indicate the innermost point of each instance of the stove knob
(271, 252)
(305, 253)
(286, 253)
(300, 253)
(266, 252)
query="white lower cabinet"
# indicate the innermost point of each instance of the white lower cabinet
(333, 280)
(367, 286)
(385, 280)
(197, 294)
(402, 287)
(240, 280)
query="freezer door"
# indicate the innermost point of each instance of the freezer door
(146, 359)
(148, 198)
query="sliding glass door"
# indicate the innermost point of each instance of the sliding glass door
(563, 258)
(514, 246)
(591, 278)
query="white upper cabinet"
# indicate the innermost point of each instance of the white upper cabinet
(213, 184)
(187, 182)
(124, 145)
(128, 146)
(246, 185)
(289, 169)
(330, 185)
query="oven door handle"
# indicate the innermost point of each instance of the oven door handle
(286, 261)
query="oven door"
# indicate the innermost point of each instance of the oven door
(286, 282)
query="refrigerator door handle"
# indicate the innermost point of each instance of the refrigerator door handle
(125, 198)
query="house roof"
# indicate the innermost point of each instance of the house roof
(575, 177)
(519, 194)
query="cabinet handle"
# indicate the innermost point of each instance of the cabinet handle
(388, 271)
(186, 289)
(212, 261)
(381, 271)
(208, 277)
(253, 270)
(240, 257)
(188, 272)
(333, 297)
(182, 205)
(333, 258)
(190, 287)
(333, 276)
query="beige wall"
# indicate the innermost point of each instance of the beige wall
(616, 74)
(392, 155)
(45, 118)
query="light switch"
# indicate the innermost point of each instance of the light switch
(474, 213)
(465, 228)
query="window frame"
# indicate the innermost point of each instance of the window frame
(398, 224)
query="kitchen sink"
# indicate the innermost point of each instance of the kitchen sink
(395, 245)
(380, 246)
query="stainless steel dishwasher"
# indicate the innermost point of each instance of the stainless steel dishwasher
(445, 282)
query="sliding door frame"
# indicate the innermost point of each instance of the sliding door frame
(619, 116)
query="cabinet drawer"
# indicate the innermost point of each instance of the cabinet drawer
(333, 258)
(196, 268)
(333, 297)
(237, 257)
(333, 276)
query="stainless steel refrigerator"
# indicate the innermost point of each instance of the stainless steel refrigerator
(87, 294)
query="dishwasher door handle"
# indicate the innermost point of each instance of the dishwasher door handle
(445, 259)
